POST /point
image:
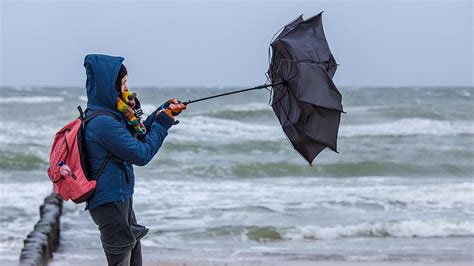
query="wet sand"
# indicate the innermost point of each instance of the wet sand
(309, 263)
(152, 262)
(153, 257)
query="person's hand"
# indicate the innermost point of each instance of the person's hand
(168, 112)
(176, 107)
(171, 108)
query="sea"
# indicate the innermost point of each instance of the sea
(227, 186)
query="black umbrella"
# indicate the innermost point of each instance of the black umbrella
(307, 103)
(304, 98)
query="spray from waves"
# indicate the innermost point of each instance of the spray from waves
(409, 127)
(32, 99)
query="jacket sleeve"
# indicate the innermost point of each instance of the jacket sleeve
(116, 139)
(149, 120)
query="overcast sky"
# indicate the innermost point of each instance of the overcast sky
(210, 43)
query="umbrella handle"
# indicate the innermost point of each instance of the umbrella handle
(232, 92)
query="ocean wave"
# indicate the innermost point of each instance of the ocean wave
(409, 127)
(30, 192)
(402, 197)
(255, 233)
(403, 228)
(397, 229)
(17, 132)
(82, 98)
(230, 111)
(19, 210)
(20, 161)
(288, 195)
(32, 99)
(204, 128)
(148, 108)
(363, 108)
(252, 109)
(341, 169)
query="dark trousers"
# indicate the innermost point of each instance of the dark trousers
(130, 258)
(120, 233)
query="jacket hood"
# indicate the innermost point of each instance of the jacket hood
(102, 72)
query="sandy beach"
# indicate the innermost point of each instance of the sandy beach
(154, 257)
(308, 263)
(281, 263)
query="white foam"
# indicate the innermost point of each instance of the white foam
(148, 108)
(83, 98)
(32, 99)
(437, 196)
(252, 106)
(405, 228)
(24, 199)
(363, 108)
(31, 194)
(465, 93)
(203, 128)
(294, 194)
(409, 127)
(433, 196)
(27, 133)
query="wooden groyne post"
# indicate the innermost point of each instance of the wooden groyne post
(40, 243)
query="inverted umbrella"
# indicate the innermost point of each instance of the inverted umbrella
(304, 98)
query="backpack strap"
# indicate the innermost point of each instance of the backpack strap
(101, 112)
(89, 117)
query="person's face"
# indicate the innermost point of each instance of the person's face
(124, 83)
(126, 95)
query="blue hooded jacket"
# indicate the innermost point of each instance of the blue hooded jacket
(104, 134)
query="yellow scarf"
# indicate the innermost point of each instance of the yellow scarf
(125, 104)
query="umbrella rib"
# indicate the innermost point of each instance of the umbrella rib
(233, 92)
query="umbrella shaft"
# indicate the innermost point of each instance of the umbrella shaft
(232, 92)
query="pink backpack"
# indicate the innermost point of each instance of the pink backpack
(68, 164)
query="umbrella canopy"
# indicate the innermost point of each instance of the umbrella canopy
(303, 40)
(306, 101)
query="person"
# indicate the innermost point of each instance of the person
(129, 141)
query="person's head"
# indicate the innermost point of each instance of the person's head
(121, 83)
(122, 90)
